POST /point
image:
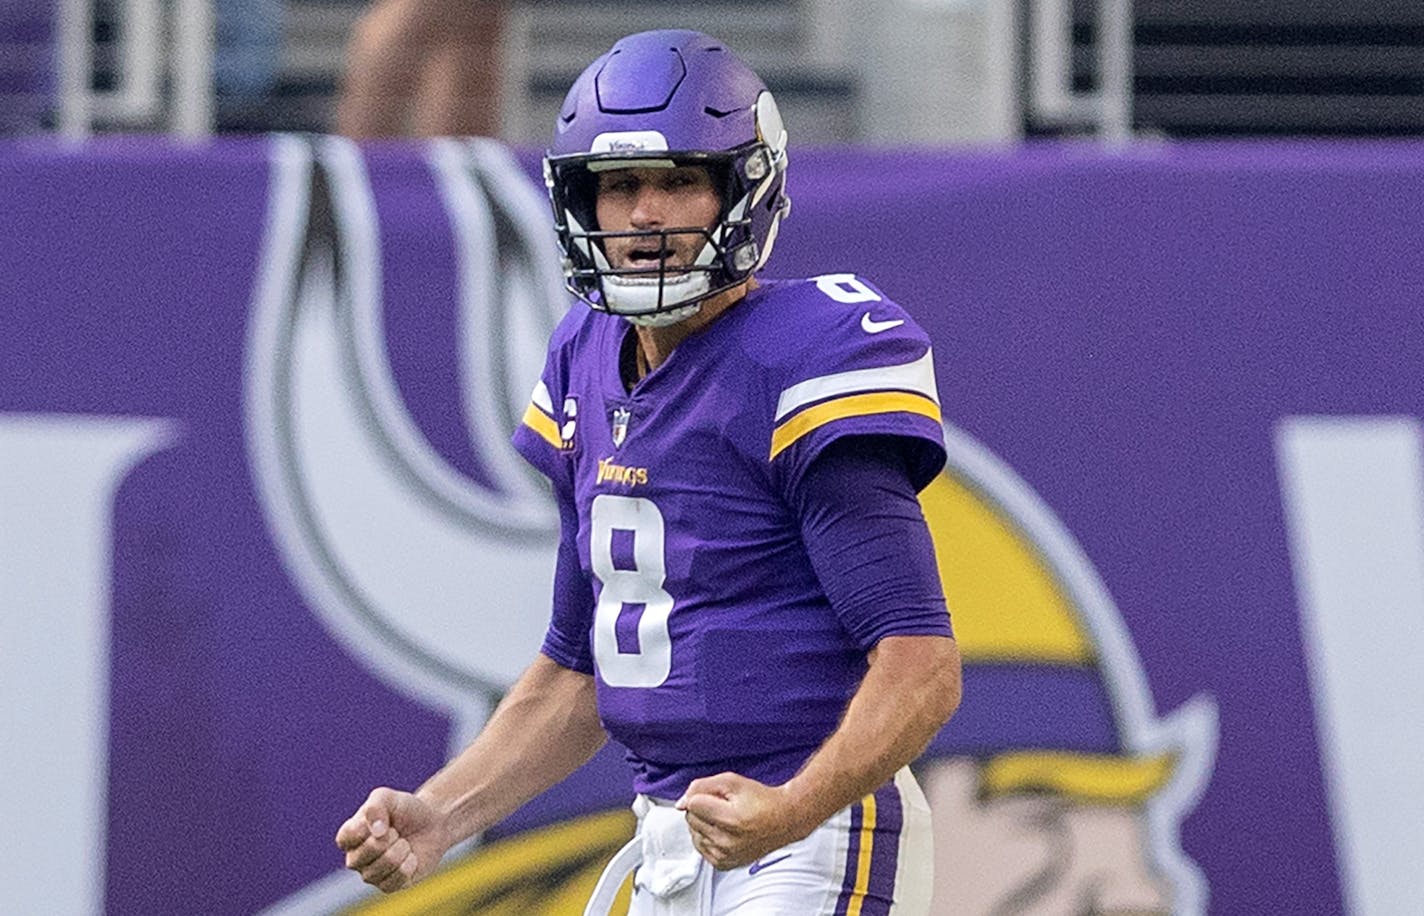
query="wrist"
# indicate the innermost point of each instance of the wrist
(445, 818)
(804, 805)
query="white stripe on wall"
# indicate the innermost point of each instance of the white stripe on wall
(1354, 500)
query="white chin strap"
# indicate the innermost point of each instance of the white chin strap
(636, 298)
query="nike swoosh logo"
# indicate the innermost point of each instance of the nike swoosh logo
(758, 865)
(871, 326)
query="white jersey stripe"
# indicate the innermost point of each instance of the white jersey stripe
(917, 376)
(541, 398)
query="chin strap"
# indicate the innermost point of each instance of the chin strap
(636, 298)
(663, 319)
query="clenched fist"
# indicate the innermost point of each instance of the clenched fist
(735, 820)
(393, 840)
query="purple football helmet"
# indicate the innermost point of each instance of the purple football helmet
(658, 100)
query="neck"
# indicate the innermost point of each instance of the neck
(655, 345)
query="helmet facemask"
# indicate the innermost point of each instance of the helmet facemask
(749, 182)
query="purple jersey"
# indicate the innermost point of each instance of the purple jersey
(712, 642)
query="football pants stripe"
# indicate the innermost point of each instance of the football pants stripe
(885, 852)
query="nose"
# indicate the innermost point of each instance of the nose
(649, 208)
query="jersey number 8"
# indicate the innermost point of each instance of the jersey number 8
(627, 589)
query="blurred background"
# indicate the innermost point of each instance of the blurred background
(887, 72)
(276, 278)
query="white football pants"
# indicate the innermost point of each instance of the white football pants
(873, 858)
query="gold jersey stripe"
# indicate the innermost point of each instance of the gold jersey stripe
(858, 405)
(544, 425)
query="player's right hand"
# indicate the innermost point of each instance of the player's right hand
(393, 840)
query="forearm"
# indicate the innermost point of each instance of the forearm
(910, 691)
(543, 730)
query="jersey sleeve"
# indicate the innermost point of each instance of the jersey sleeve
(545, 438)
(869, 545)
(870, 372)
(538, 437)
(545, 434)
(566, 641)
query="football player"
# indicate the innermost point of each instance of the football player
(746, 595)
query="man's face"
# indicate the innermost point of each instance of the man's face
(644, 199)
(1040, 855)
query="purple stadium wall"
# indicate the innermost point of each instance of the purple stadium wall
(1199, 364)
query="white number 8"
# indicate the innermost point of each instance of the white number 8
(650, 664)
(846, 288)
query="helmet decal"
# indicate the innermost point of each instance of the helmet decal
(626, 141)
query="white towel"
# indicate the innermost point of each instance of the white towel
(670, 864)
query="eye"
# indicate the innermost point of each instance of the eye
(618, 184)
(685, 179)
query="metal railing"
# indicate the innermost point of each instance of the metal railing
(155, 39)
(149, 34)
(1051, 96)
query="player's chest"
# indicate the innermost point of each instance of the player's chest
(643, 446)
(660, 488)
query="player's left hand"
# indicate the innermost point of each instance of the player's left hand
(735, 820)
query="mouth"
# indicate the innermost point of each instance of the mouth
(651, 258)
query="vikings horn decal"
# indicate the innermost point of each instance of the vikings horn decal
(512, 295)
(423, 572)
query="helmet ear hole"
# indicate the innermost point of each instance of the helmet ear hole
(757, 166)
